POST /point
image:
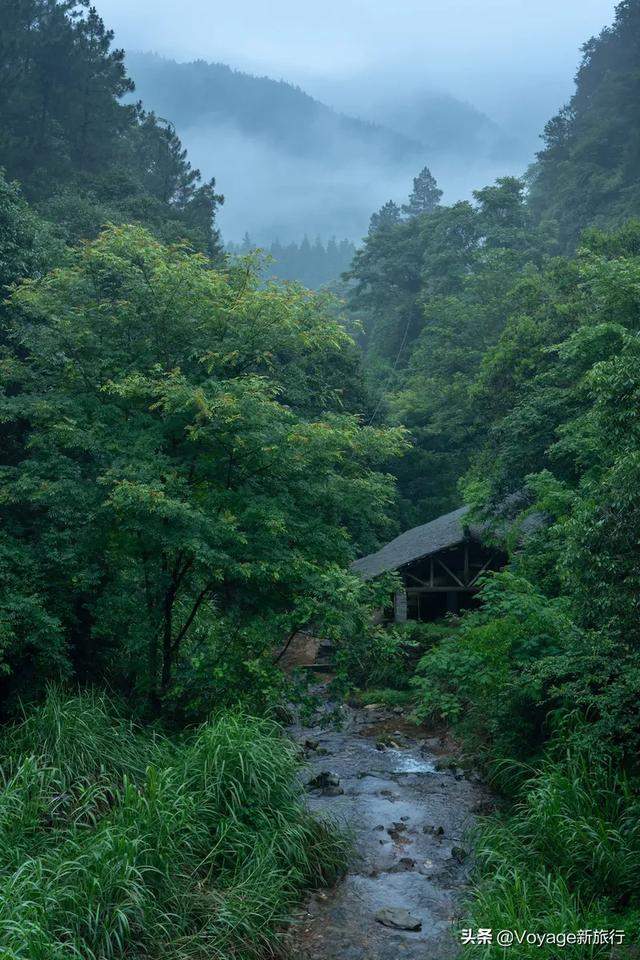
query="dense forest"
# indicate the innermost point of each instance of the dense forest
(192, 456)
(314, 264)
(503, 334)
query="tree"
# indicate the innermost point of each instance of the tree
(425, 196)
(191, 479)
(82, 155)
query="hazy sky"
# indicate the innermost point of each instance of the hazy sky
(503, 55)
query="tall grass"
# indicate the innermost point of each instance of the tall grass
(115, 842)
(566, 859)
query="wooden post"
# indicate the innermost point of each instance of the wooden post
(400, 606)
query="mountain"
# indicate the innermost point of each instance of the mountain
(290, 165)
(587, 173)
(446, 126)
(278, 113)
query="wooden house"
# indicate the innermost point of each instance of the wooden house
(440, 564)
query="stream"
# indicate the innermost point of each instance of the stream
(408, 814)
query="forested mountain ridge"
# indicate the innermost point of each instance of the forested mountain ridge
(198, 93)
(587, 173)
(292, 165)
(446, 126)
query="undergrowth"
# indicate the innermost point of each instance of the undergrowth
(566, 858)
(117, 842)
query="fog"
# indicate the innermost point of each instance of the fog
(511, 60)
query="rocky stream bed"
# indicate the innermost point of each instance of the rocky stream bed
(408, 811)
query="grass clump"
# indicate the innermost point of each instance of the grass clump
(567, 858)
(385, 696)
(118, 842)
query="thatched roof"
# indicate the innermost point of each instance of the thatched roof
(447, 531)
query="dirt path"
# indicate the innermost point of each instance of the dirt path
(408, 819)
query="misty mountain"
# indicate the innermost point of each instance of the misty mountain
(290, 165)
(273, 111)
(446, 126)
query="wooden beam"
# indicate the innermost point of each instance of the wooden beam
(450, 573)
(484, 567)
(417, 579)
(446, 589)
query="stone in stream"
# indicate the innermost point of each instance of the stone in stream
(396, 830)
(332, 792)
(324, 780)
(436, 831)
(311, 744)
(398, 918)
(403, 865)
(459, 854)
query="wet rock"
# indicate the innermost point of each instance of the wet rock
(459, 854)
(332, 792)
(379, 827)
(445, 763)
(311, 744)
(405, 819)
(403, 865)
(396, 830)
(426, 868)
(436, 831)
(324, 780)
(398, 918)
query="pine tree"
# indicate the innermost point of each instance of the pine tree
(387, 216)
(425, 196)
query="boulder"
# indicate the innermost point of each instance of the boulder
(398, 918)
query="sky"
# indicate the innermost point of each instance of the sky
(505, 56)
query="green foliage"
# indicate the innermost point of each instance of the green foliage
(117, 842)
(190, 478)
(433, 292)
(482, 677)
(84, 157)
(566, 859)
(587, 173)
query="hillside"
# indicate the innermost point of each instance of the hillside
(290, 165)
(587, 173)
(276, 112)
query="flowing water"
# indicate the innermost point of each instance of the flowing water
(408, 819)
